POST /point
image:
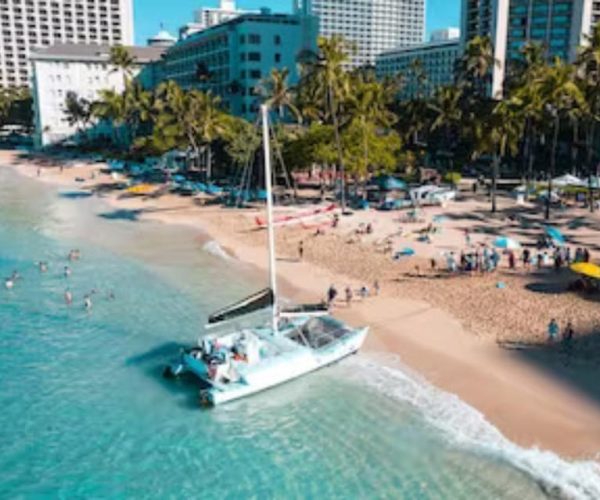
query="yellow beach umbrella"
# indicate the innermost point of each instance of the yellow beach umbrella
(587, 269)
(141, 189)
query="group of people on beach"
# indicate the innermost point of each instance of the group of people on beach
(43, 267)
(363, 292)
(554, 332)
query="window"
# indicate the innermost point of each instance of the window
(277, 58)
(254, 39)
(254, 56)
(255, 73)
(277, 39)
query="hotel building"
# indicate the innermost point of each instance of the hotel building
(560, 25)
(83, 70)
(230, 59)
(437, 58)
(372, 26)
(33, 24)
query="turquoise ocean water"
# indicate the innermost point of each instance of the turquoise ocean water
(85, 412)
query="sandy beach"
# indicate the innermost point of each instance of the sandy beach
(466, 334)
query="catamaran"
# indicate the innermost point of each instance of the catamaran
(239, 362)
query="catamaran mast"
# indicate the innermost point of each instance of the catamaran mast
(264, 109)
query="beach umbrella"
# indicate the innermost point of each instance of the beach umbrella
(587, 269)
(506, 243)
(555, 235)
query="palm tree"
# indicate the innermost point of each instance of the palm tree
(278, 94)
(78, 111)
(560, 97)
(110, 107)
(211, 124)
(447, 115)
(476, 65)
(588, 65)
(526, 71)
(122, 61)
(328, 81)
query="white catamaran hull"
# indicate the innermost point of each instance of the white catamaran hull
(274, 372)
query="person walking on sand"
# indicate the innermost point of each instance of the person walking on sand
(467, 238)
(300, 250)
(525, 258)
(568, 334)
(68, 297)
(349, 296)
(331, 295)
(553, 330)
(512, 262)
(376, 287)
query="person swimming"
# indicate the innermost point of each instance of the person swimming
(9, 283)
(67, 271)
(43, 266)
(15, 276)
(68, 297)
(87, 303)
(74, 255)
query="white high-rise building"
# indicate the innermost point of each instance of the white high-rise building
(211, 16)
(372, 26)
(31, 24)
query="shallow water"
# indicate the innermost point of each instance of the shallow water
(86, 412)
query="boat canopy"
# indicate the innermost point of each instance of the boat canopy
(256, 302)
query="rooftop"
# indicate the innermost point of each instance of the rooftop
(93, 53)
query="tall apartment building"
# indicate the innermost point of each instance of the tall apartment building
(560, 25)
(32, 24)
(372, 26)
(437, 61)
(232, 58)
(211, 16)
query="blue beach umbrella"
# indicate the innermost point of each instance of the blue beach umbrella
(555, 235)
(506, 243)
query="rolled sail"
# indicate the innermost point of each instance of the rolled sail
(249, 305)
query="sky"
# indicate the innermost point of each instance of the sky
(149, 14)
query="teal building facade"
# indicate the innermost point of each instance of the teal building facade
(231, 59)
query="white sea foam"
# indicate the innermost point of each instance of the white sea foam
(466, 427)
(213, 248)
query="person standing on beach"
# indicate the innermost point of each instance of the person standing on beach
(467, 238)
(376, 287)
(553, 330)
(301, 250)
(331, 295)
(525, 257)
(512, 263)
(349, 296)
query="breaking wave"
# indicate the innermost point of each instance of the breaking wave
(465, 427)
(213, 248)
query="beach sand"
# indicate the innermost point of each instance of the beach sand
(464, 334)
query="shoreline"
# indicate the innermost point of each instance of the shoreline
(527, 404)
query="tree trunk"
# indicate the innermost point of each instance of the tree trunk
(552, 166)
(495, 170)
(591, 130)
(209, 163)
(338, 145)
